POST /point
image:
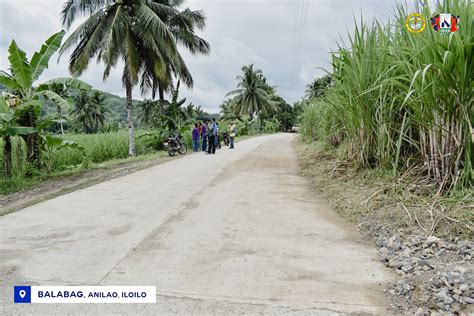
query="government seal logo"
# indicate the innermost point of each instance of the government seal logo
(415, 23)
(445, 23)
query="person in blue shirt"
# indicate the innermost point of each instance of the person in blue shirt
(212, 137)
(216, 140)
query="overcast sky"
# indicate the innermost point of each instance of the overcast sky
(287, 39)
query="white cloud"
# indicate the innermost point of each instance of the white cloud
(239, 31)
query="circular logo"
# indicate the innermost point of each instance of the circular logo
(415, 23)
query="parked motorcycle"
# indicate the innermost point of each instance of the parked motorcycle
(175, 144)
(226, 138)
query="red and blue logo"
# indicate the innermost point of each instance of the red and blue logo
(445, 23)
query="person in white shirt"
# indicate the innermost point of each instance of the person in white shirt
(232, 134)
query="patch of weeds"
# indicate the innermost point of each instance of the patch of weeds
(375, 198)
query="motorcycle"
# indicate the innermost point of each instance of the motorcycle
(175, 144)
(226, 138)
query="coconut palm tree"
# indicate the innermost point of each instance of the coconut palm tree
(227, 110)
(189, 111)
(149, 113)
(89, 111)
(199, 110)
(82, 111)
(100, 110)
(66, 93)
(133, 31)
(317, 89)
(20, 83)
(251, 96)
(183, 25)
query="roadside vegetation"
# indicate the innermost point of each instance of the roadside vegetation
(64, 126)
(388, 140)
(401, 101)
(378, 203)
(399, 107)
(256, 106)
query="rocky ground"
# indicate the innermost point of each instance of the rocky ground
(267, 245)
(434, 274)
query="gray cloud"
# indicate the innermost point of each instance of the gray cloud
(240, 32)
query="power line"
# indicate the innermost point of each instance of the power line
(298, 18)
(302, 29)
(295, 29)
(299, 40)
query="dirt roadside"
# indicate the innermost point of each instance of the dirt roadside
(58, 186)
(62, 185)
(433, 273)
(232, 233)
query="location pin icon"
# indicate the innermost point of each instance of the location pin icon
(22, 293)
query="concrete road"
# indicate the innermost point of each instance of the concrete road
(236, 232)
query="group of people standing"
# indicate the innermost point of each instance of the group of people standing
(206, 136)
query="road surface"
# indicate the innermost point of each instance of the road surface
(236, 232)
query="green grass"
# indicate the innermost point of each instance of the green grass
(403, 101)
(19, 183)
(98, 147)
(371, 198)
(103, 151)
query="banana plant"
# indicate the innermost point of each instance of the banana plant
(153, 141)
(50, 145)
(21, 82)
(9, 129)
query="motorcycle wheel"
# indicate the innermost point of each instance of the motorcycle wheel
(171, 151)
(183, 149)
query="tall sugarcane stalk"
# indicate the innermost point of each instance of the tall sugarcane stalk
(401, 99)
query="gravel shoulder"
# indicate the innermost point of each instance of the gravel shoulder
(433, 274)
(236, 232)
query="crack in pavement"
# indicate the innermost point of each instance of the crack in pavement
(239, 225)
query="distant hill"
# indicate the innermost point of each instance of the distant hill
(118, 108)
(116, 105)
